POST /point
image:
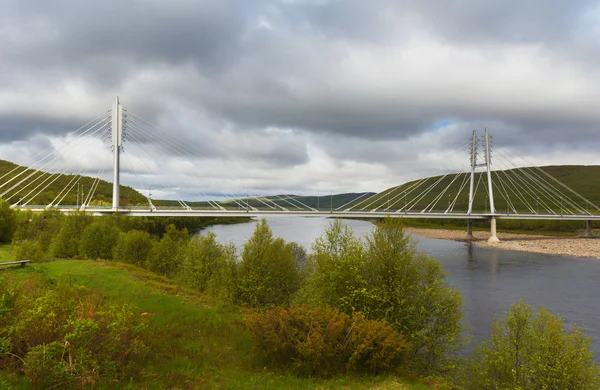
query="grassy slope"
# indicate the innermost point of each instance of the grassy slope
(203, 344)
(129, 196)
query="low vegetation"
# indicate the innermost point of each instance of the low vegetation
(528, 351)
(324, 342)
(181, 310)
(61, 333)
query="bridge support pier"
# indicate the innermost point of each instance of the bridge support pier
(117, 140)
(470, 229)
(493, 238)
(588, 228)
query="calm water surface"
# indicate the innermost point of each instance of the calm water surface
(489, 279)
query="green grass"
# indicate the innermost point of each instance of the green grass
(200, 343)
(5, 254)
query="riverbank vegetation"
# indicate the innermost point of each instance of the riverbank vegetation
(172, 309)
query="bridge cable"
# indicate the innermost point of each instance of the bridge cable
(544, 189)
(50, 147)
(40, 169)
(76, 177)
(555, 190)
(182, 149)
(212, 203)
(133, 130)
(156, 134)
(92, 191)
(58, 175)
(181, 202)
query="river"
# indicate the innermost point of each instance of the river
(489, 279)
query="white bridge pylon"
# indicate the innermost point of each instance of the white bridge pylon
(505, 188)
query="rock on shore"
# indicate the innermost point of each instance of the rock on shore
(568, 246)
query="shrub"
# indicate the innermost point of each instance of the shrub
(165, 256)
(325, 342)
(8, 221)
(40, 227)
(209, 266)
(98, 239)
(133, 247)
(267, 273)
(65, 334)
(28, 250)
(532, 352)
(386, 279)
(66, 243)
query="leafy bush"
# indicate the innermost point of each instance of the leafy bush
(38, 227)
(8, 221)
(209, 266)
(66, 243)
(267, 273)
(99, 239)
(133, 247)
(386, 279)
(165, 256)
(325, 342)
(27, 250)
(533, 352)
(65, 334)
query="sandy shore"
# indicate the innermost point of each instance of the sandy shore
(568, 246)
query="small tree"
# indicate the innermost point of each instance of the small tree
(209, 266)
(41, 227)
(99, 239)
(267, 273)
(529, 351)
(8, 221)
(386, 279)
(133, 247)
(165, 256)
(66, 243)
(334, 270)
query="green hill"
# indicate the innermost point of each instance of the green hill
(326, 202)
(15, 173)
(514, 189)
(290, 202)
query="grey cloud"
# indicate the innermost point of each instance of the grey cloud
(255, 82)
(463, 20)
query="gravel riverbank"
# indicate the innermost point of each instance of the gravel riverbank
(568, 246)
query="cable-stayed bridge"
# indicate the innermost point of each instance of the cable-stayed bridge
(505, 187)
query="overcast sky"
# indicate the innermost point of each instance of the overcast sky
(305, 96)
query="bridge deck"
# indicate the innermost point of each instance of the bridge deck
(136, 212)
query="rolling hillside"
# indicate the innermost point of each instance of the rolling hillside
(325, 202)
(15, 173)
(515, 186)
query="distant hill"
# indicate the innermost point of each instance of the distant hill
(325, 202)
(583, 179)
(103, 193)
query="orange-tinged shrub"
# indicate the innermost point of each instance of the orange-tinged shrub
(324, 341)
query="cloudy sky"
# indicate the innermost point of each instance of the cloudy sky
(299, 96)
